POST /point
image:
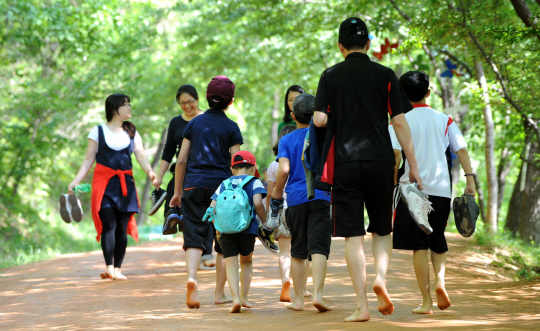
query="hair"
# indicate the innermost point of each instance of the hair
(353, 43)
(241, 165)
(415, 84)
(284, 131)
(220, 104)
(294, 88)
(304, 107)
(189, 89)
(112, 104)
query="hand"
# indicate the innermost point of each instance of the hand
(152, 175)
(157, 182)
(176, 200)
(71, 186)
(277, 195)
(414, 176)
(471, 188)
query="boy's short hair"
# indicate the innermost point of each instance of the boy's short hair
(415, 84)
(353, 34)
(220, 92)
(304, 107)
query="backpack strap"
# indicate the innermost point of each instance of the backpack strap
(245, 181)
(228, 185)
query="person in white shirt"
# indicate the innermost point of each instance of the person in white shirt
(432, 133)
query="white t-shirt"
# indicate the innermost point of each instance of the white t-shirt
(271, 173)
(432, 133)
(115, 141)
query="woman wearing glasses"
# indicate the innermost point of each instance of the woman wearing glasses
(114, 196)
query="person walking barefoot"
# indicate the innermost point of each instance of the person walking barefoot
(114, 196)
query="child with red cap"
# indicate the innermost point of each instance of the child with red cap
(244, 169)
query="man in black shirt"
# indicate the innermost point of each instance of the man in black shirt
(359, 95)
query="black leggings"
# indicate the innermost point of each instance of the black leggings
(114, 235)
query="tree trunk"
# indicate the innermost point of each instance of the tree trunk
(275, 116)
(514, 207)
(502, 172)
(529, 224)
(141, 217)
(491, 170)
(481, 203)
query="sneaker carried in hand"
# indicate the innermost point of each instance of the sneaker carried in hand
(173, 218)
(65, 209)
(267, 239)
(274, 217)
(466, 213)
(75, 207)
(418, 204)
(158, 196)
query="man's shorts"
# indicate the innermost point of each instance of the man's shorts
(311, 229)
(237, 243)
(197, 233)
(407, 235)
(363, 182)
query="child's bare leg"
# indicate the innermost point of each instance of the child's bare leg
(231, 264)
(382, 251)
(285, 267)
(319, 275)
(245, 278)
(421, 269)
(439, 265)
(356, 263)
(307, 294)
(298, 267)
(221, 279)
(193, 259)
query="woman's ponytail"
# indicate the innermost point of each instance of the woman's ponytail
(129, 128)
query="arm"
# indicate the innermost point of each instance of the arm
(235, 149)
(180, 173)
(281, 178)
(87, 164)
(403, 133)
(397, 155)
(271, 186)
(259, 207)
(320, 119)
(143, 161)
(163, 166)
(465, 161)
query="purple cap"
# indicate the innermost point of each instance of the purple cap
(220, 89)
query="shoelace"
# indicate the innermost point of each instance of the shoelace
(426, 206)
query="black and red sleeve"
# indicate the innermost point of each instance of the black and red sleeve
(398, 103)
(322, 100)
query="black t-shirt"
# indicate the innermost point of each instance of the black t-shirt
(175, 135)
(360, 94)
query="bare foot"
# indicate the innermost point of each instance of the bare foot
(384, 304)
(321, 305)
(192, 297)
(423, 310)
(285, 292)
(209, 263)
(358, 316)
(443, 301)
(106, 275)
(118, 274)
(296, 306)
(307, 294)
(236, 308)
(223, 299)
(204, 267)
(246, 304)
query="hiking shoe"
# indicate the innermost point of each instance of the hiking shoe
(75, 207)
(65, 209)
(267, 239)
(275, 212)
(418, 204)
(158, 196)
(173, 218)
(465, 214)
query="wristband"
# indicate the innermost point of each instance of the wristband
(468, 175)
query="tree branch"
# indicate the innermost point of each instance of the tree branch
(455, 59)
(524, 12)
(402, 13)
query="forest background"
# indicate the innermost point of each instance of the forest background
(60, 59)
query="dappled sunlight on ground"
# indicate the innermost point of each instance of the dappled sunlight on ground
(67, 294)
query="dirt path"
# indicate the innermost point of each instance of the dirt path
(67, 294)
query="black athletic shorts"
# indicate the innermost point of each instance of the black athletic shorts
(237, 243)
(197, 233)
(311, 229)
(363, 182)
(407, 235)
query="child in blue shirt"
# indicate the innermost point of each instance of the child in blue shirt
(308, 220)
(242, 243)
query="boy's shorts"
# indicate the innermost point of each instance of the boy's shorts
(233, 244)
(407, 235)
(197, 233)
(359, 182)
(311, 229)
